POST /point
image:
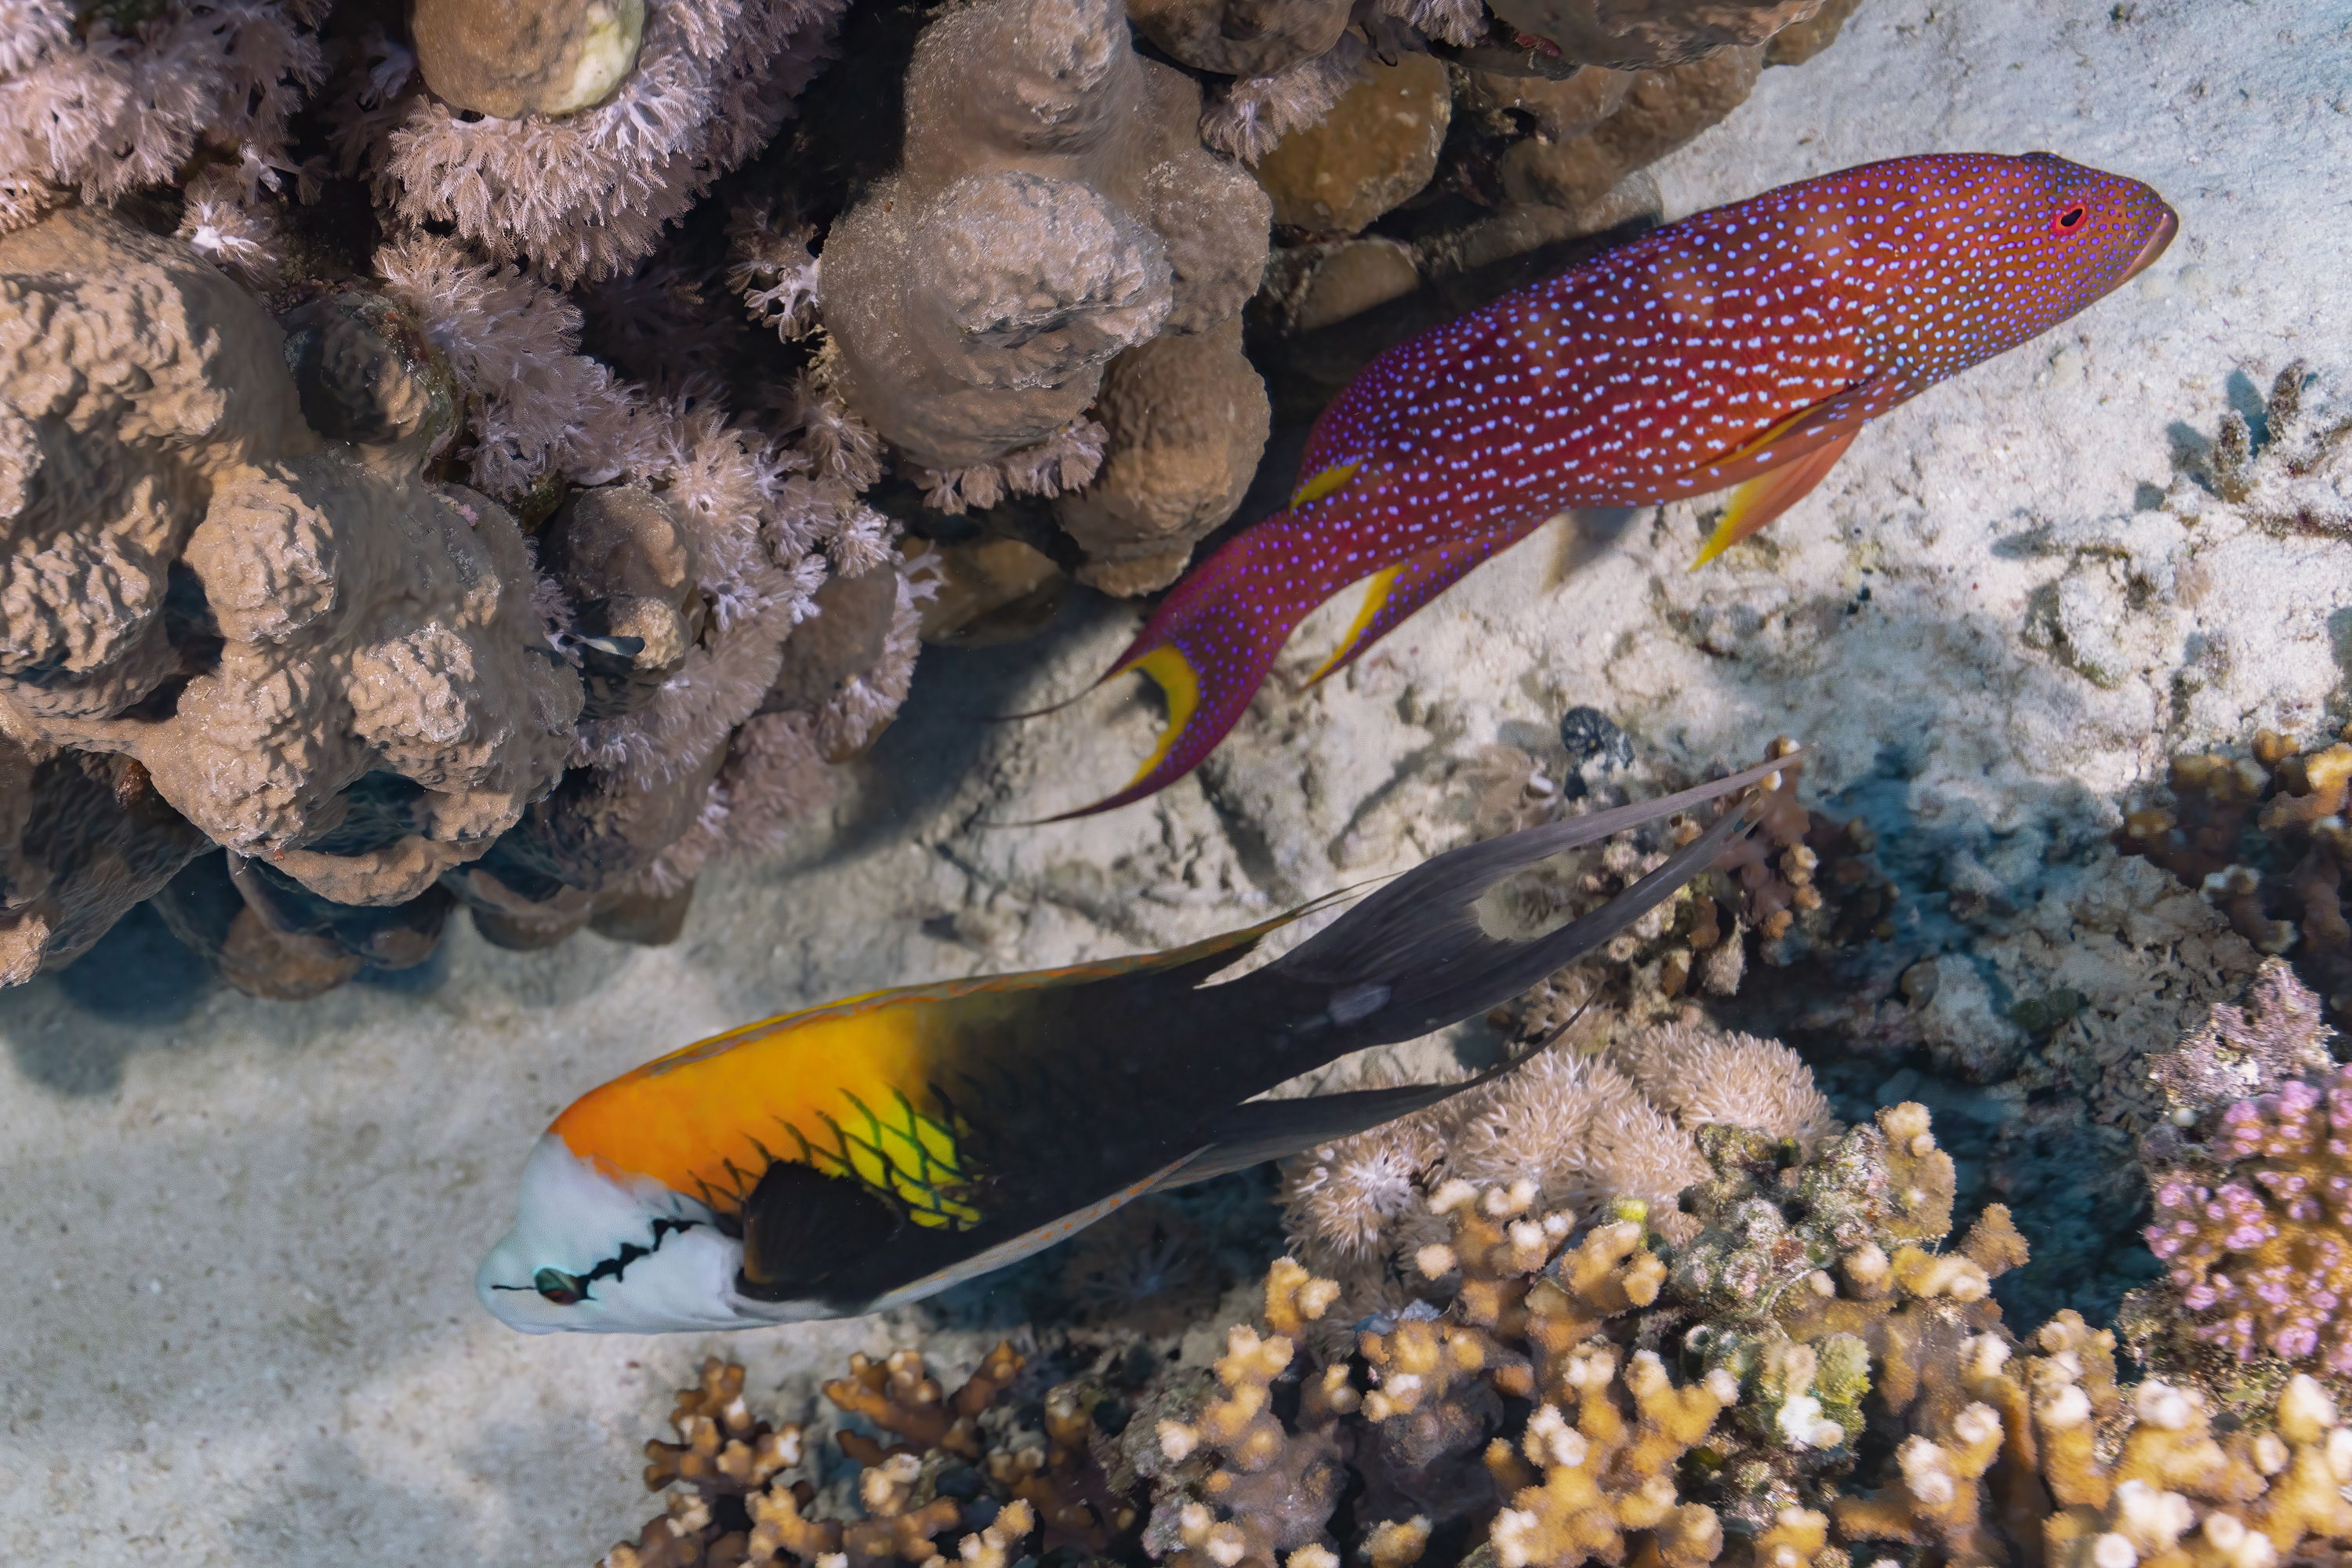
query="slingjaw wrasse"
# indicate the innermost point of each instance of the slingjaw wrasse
(872, 1151)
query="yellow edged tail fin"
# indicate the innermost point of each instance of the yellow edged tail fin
(1180, 685)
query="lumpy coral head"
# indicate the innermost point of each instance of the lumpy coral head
(1739, 349)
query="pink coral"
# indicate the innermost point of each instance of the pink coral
(2257, 1248)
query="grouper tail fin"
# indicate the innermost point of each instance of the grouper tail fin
(1208, 647)
(1423, 952)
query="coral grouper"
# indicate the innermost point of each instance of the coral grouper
(870, 1152)
(1742, 347)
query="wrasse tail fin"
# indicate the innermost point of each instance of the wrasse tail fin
(1770, 493)
(1416, 955)
(1262, 1130)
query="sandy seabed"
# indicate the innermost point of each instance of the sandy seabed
(237, 1322)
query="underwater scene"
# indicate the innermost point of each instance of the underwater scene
(1233, 784)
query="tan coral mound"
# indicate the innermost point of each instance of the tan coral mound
(1589, 1134)
(1055, 208)
(350, 618)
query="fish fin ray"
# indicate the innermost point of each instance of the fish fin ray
(1330, 481)
(1768, 494)
(1417, 950)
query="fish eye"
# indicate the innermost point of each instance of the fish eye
(2070, 220)
(557, 1287)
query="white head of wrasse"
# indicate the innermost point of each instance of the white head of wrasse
(873, 1152)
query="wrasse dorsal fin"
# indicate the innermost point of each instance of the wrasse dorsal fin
(800, 1225)
(1420, 937)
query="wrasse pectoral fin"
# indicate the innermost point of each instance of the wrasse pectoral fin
(1769, 494)
(800, 1225)
(1262, 1130)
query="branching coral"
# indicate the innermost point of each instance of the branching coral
(734, 1510)
(2286, 897)
(2250, 1225)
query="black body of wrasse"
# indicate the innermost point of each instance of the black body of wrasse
(869, 1152)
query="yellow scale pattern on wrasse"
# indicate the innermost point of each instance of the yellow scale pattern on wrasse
(836, 1087)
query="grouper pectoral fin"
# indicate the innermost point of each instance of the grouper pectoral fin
(1770, 493)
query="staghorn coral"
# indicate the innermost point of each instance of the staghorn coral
(2262, 837)
(586, 194)
(1054, 208)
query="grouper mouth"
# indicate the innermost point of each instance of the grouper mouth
(2155, 246)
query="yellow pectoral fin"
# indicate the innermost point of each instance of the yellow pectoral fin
(1181, 684)
(1376, 594)
(1769, 494)
(1324, 483)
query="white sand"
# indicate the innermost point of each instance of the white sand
(237, 1324)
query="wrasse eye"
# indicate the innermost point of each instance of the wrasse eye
(2070, 220)
(557, 1287)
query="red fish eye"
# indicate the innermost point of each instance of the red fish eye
(2070, 220)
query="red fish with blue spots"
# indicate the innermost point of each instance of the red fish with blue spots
(1741, 349)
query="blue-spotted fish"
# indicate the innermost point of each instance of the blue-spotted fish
(1741, 349)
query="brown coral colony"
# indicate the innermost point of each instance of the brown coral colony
(483, 550)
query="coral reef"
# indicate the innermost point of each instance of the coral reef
(2262, 837)
(2252, 1193)
(1590, 1134)
(581, 194)
(1054, 208)
(1808, 1376)
(260, 619)
(733, 1509)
